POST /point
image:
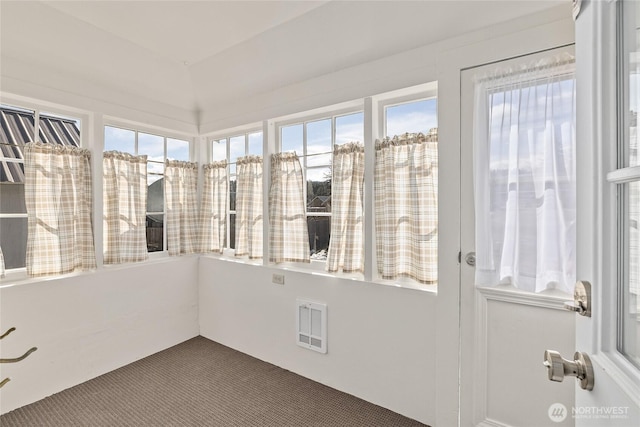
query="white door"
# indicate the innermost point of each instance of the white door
(505, 329)
(608, 67)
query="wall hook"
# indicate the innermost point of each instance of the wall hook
(17, 359)
(7, 333)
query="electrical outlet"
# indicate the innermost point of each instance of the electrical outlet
(278, 279)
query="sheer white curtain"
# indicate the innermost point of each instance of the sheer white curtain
(57, 190)
(249, 207)
(213, 213)
(181, 192)
(346, 247)
(125, 203)
(289, 235)
(406, 205)
(525, 180)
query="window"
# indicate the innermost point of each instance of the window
(229, 149)
(19, 126)
(406, 191)
(314, 141)
(525, 178)
(410, 117)
(158, 149)
(627, 181)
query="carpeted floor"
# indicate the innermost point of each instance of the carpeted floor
(202, 383)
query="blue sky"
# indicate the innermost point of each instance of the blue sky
(152, 145)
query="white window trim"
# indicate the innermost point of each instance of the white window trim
(328, 114)
(165, 134)
(39, 107)
(243, 131)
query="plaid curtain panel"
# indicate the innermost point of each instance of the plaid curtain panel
(289, 235)
(181, 191)
(125, 202)
(1, 264)
(406, 207)
(347, 185)
(213, 213)
(57, 189)
(249, 207)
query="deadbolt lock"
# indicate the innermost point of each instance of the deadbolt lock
(559, 367)
(581, 303)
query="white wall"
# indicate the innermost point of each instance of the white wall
(241, 308)
(380, 338)
(92, 323)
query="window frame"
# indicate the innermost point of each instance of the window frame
(166, 135)
(304, 121)
(227, 136)
(38, 109)
(373, 109)
(380, 103)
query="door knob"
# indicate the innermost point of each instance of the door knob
(559, 367)
(470, 259)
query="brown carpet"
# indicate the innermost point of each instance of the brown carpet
(202, 383)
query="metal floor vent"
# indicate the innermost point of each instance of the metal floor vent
(311, 325)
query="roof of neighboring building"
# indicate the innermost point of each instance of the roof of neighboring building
(320, 200)
(16, 129)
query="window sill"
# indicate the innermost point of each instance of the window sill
(18, 276)
(316, 268)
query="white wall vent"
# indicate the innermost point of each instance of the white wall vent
(311, 325)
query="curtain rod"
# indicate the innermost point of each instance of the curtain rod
(510, 72)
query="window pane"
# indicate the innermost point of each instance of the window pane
(319, 231)
(177, 149)
(12, 171)
(155, 227)
(232, 230)
(411, 117)
(255, 143)
(628, 308)
(319, 160)
(291, 138)
(155, 169)
(232, 193)
(13, 240)
(319, 190)
(155, 194)
(57, 129)
(350, 128)
(152, 146)
(236, 148)
(116, 139)
(322, 174)
(219, 150)
(319, 137)
(631, 307)
(12, 198)
(16, 128)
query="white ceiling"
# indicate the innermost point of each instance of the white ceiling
(197, 54)
(185, 31)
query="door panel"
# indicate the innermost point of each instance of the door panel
(504, 331)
